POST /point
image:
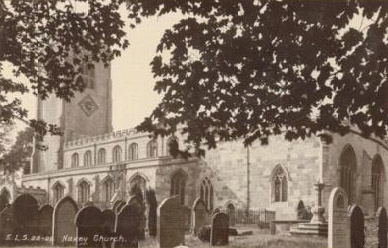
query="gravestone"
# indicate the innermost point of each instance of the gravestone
(64, 228)
(45, 220)
(216, 211)
(89, 222)
(219, 234)
(88, 204)
(138, 203)
(187, 213)
(339, 235)
(200, 215)
(128, 224)
(118, 205)
(382, 224)
(26, 209)
(231, 212)
(171, 223)
(108, 226)
(7, 223)
(357, 235)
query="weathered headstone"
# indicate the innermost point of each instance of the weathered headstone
(45, 220)
(187, 213)
(89, 222)
(25, 209)
(7, 223)
(219, 234)
(357, 234)
(216, 211)
(138, 203)
(128, 223)
(200, 215)
(118, 205)
(382, 224)
(88, 204)
(339, 235)
(108, 226)
(171, 223)
(231, 212)
(64, 228)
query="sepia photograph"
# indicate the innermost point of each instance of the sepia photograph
(194, 123)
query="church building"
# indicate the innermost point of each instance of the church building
(91, 162)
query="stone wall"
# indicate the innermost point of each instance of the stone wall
(365, 150)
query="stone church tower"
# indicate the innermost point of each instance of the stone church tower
(88, 114)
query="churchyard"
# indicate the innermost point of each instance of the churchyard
(24, 223)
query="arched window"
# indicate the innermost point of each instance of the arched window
(108, 189)
(348, 172)
(132, 152)
(58, 192)
(152, 149)
(88, 158)
(74, 160)
(178, 185)
(116, 155)
(83, 192)
(279, 184)
(138, 186)
(206, 193)
(101, 156)
(378, 180)
(172, 146)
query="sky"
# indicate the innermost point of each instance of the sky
(133, 97)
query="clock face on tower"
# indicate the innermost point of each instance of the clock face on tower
(88, 105)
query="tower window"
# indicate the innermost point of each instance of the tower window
(83, 192)
(132, 152)
(178, 185)
(172, 146)
(279, 185)
(152, 149)
(74, 160)
(116, 154)
(206, 193)
(101, 156)
(88, 158)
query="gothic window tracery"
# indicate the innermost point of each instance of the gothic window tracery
(348, 172)
(101, 156)
(74, 160)
(83, 192)
(152, 149)
(280, 185)
(378, 181)
(88, 158)
(59, 191)
(116, 154)
(178, 185)
(132, 152)
(108, 189)
(206, 193)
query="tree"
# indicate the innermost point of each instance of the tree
(19, 154)
(51, 43)
(252, 69)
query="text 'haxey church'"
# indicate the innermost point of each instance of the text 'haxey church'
(92, 163)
